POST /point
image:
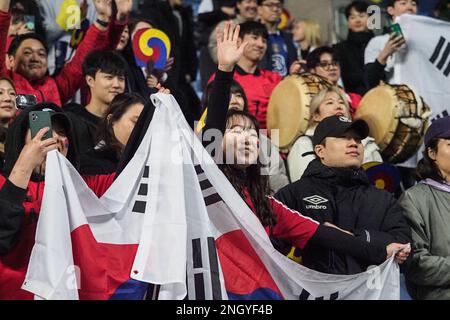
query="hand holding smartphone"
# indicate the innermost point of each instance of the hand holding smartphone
(39, 120)
(396, 30)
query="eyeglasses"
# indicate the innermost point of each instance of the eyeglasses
(327, 65)
(273, 5)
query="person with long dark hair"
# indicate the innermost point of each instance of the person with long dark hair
(8, 110)
(272, 163)
(113, 133)
(242, 167)
(21, 190)
(427, 209)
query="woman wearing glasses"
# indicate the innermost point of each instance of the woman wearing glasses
(324, 62)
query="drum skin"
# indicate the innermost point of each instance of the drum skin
(288, 110)
(388, 110)
(378, 109)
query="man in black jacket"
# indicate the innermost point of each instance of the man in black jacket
(104, 73)
(336, 192)
(351, 51)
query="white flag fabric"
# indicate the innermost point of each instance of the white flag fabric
(425, 65)
(171, 219)
(205, 6)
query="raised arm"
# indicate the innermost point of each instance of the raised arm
(14, 189)
(229, 51)
(5, 19)
(4, 5)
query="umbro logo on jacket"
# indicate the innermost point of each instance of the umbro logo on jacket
(315, 202)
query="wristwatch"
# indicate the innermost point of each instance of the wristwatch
(102, 23)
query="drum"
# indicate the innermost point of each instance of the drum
(397, 117)
(288, 110)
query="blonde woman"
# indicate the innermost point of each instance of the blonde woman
(306, 36)
(328, 102)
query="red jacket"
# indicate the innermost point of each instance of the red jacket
(291, 225)
(14, 265)
(60, 88)
(258, 88)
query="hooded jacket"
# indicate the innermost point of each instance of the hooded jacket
(20, 208)
(302, 232)
(345, 198)
(84, 126)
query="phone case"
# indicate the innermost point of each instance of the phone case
(395, 28)
(39, 120)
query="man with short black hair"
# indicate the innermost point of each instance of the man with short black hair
(281, 52)
(104, 73)
(336, 192)
(28, 58)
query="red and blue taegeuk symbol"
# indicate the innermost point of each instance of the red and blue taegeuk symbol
(383, 175)
(151, 45)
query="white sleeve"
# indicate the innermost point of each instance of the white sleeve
(278, 177)
(371, 151)
(372, 51)
(297, 163)
(206, 6)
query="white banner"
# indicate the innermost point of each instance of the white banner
(425, 65)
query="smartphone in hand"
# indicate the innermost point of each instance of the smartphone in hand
(39, 120)
(397, 30)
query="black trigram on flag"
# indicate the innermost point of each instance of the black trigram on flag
(203, 268)
(141, 197)
(209, 193)
(440, 57)
(443, 114)
(205, 263)
(305, 295)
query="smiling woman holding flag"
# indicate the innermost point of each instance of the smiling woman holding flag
(22, 186)
(242, 168)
